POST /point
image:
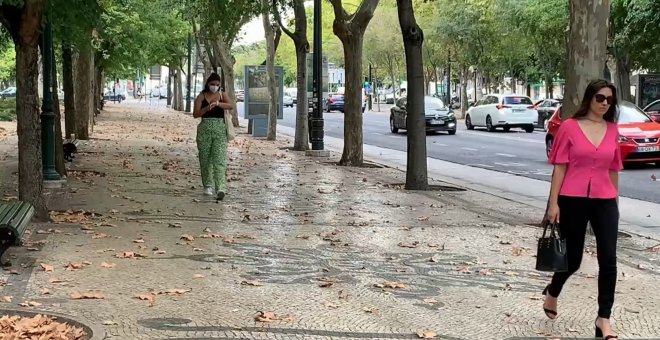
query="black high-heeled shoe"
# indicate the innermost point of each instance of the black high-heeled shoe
(551, 314)
(599, 333)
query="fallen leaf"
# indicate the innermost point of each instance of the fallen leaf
(390, 284)
(147, 297)
(47, 267)
(430, 301)
(326, 284)
(505, 242)
(408, 245)
(426, 334)
(330, 305)
(110, 323)
(108, 265)
(138, 241)
(86, 295)
(6, 299)
(187, 237)
(252, 283)
(73, 266)
(29, 304)
(45, 291)
(129, 255)
(372, 310)
(174, 291)
(265, 317)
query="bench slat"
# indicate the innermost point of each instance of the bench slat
(14, 218)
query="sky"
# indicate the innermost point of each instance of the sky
(254, 30)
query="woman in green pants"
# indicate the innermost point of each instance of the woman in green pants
(211, 105)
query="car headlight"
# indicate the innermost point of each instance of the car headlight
(450, 115)
(623, 139)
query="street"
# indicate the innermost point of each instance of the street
(514, 152)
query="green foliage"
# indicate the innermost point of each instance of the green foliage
(7, 58)
(7, 110)
(635, 28)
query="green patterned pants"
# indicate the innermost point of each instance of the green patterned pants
(212, 147)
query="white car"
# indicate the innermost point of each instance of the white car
(503, 111)
(287, 101)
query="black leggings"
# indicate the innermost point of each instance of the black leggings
(574, 213)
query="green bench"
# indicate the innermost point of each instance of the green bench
(14, 220)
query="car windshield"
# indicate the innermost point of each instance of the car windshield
(518, 101)
(337, 97)
(629, 113)
(431, 103)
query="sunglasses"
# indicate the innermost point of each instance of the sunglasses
(601, 98)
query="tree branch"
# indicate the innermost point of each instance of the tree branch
(278, 19)
(364, 13)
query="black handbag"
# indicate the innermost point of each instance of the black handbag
(551, 251)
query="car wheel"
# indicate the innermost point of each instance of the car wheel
(451, 132)
(529, 129)
(506, 128)
(545, 125)
(548, 146)
(468, 123)
(393, 127)
(489, 124)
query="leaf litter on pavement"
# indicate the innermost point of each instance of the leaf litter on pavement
(38, 327)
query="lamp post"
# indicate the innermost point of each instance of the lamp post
(316, 128)
(47, 114)
(188, 79)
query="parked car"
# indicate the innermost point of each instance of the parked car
(9, 92)
(293, 93)
(437, 114)
(334, 102)
(653, 109)
(287, 101)
(639, 134)
(240, 95)
(109, 96)
(546, 108)
(506, 111)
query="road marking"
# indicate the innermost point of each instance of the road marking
(481, 165)
(492, 135)
(469, 149)
(510, 164)
(440, 144)
(506, 155)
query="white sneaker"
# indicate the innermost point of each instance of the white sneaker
(208, 192)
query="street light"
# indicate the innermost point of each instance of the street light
(316, 128)
(47, 114)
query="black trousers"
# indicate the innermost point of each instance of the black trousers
(574, 214)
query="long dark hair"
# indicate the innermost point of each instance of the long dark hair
(212, 77)
(590, 92)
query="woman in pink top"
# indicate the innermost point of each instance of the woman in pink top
(584, 189)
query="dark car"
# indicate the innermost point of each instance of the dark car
(111, 97)
(437, 114)
(546, 108)
(334, 102)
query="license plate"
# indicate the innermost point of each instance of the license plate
(519, 110)
(437, 122)
(648, 148)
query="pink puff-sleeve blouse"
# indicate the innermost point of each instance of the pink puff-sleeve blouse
(588, 166)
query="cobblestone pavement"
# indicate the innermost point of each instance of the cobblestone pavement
(325, 252)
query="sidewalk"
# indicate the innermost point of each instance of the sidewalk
(323, 252)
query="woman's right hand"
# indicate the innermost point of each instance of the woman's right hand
(553, 213)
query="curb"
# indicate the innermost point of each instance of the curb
(96, 331)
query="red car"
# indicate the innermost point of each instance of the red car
(639, 134)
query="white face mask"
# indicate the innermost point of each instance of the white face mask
(214, 88)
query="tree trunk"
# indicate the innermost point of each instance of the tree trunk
(413, 38)
(60, 165)
(69, 92)
(548, 86)
(353, 153)
(620, 70)
(30, 171)
(270, 70)
(301, 142)
(464, 87)
(229, 76)
(91, 92)
(179, 90)
(98, 89)
(83, 85)
(169, 86)
(586, 49)
(350, 30)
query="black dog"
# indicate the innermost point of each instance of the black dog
(70, 150)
